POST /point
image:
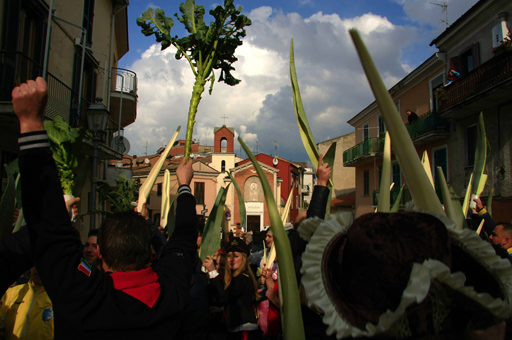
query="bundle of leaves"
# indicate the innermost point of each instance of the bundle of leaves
(122, 195)
(65, 143)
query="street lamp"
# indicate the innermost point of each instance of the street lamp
(97, 119)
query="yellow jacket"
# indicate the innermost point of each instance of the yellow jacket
(26, 312)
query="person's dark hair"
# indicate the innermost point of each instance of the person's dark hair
(124, 240)
(93, 232)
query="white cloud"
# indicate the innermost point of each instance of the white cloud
(333, 85)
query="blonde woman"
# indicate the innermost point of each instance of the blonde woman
(237, 292)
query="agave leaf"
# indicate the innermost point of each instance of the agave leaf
(329, 158)
(19, 222)
(305, 131)
(166, 202)
(241, 203)
(479, 229)
(385, 179)
(467, 197)
(145, 188)
(480, 156)
(458, 208)
(447, 198)
(291, 315)
(284, 217)
(210, 242)
(489, 201)
(396, 205)
(422, 192)
(426, 165)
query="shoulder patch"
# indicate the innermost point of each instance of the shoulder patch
(85, 267)
(47, 315)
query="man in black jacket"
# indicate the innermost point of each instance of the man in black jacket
(132, 299)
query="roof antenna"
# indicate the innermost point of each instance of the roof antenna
(445, 9)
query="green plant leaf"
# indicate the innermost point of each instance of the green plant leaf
(241, 203)
(210, 242)
(426, 165)
(330, 158)
(447, 198)
(460, 217)
(291, 315)
(305, 131)
(479, 178)
(385, 179)
(422, 192)
(396, 205)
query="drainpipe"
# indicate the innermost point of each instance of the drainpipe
(111, 55)
(47, 43)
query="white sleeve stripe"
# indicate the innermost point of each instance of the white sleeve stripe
(34, 145)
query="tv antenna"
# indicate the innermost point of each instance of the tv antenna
(444, 5)
(275, 148)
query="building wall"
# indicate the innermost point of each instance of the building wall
(344, 178)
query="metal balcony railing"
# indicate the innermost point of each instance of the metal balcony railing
(366, 148)
(491, 73)
(125, 80)
(429, 122)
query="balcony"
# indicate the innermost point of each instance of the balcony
(428, 127)
(369, 147)
(488, 80)
(123, 98)
(305, 189)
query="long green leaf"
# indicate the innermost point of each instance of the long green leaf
(426, 165)
(447, 198)
(460, 217)
(330, 158)
(166, 201)
(210, 242)
(305, 131)
(384, 193)
(480, 156)
(396, 205)
(422, 192)
(19, 222)
(291, 316)
(467, 197)
(241, 203)
(145, 188)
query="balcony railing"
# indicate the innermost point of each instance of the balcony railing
(491, 73)
(126, 80)
(17, 68)
(366, 148)
(427, 123)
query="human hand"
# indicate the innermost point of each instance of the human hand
(185, 172)
(71, 207)
(29, 102)
(323, 172)
(479, 204)
(143, 212)
(209, 264)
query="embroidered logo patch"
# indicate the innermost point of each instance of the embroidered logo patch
(85, 267)
(47, 315)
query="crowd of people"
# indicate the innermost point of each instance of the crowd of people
(129, 281)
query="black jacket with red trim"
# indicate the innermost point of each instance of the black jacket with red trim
(88, 306)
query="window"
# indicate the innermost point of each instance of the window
(366, 184)
(223, 166)
(88, 20)
(382, 127)
(435, 83)
(199, 192)
(469, 59)
(366, 131)
(159, 189)
(397, 178)
(470, 145)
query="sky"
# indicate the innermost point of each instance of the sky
(332, 82)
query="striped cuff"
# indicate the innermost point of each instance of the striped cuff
(184, 189)
(482, 211)
(33, 140)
